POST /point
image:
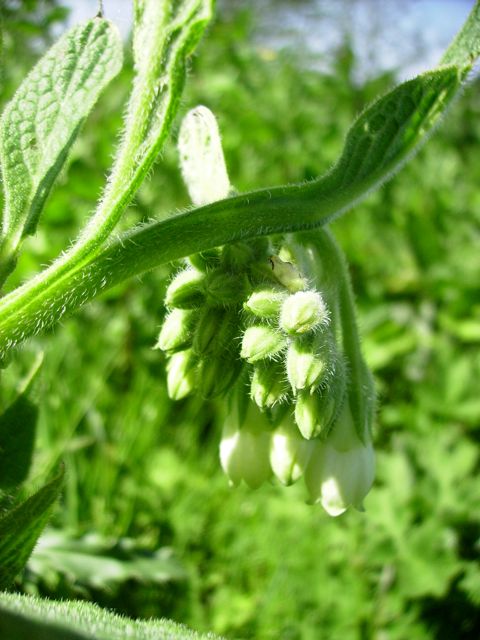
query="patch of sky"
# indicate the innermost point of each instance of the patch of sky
(405, 36)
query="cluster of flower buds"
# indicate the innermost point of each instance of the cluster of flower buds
(277, 341)
(290, 343)
(200, 332)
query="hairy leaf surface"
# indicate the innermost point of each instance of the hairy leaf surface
(26, 617)
(21, 526)
(41, 122)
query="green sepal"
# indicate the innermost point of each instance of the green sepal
(225, 289)
(205, 260)
(217, 374)
(238, 256)
(268, 386)
(215, 331)
(315, 413)
(17, 433)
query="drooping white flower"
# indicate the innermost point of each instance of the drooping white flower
(341, 470)
(245, 449)
(289, 452)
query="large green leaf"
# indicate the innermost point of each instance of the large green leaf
(21, 526)
(27, 617)
(44, 117)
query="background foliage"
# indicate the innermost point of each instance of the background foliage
(147, 524)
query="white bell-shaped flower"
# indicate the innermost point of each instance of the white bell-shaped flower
(245, 450)
(341, 470)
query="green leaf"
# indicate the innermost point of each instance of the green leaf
(384, 135)
(17, 435)
(21, 526)
(27, 617)
(465, 48)
(41, 122)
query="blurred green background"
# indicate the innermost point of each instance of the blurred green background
(148, 525)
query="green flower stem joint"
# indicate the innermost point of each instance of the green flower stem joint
(269, 328)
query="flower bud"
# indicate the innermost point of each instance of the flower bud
(268, 386)
(302, 312)
(181, 374)
(287, 275)
(237, 256)
(315, 412)
(244, 452)
(176, 331)
(201, 157)
(261, 342)
(215, 330)
(186, 291)
(340, 477)
(289, 453)
(223, 289)
(217, 374)
(307, 364)
(265, 302)
(205, 260)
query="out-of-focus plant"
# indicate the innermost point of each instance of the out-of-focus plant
(262, 311)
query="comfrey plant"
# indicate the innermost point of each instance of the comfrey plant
(261, 313)
(269, 324)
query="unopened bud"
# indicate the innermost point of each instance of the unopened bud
(217, 374)
(302, 312)
(186, 291)
(315, 412)
(265, 302)
(287, 274)
(176, 331)
(205, 260)
(289, 453)
(268, 386)
(223, 289)
(215, 330)
(201, 157)
(308, 362)
(181, 374)
(260, 342)
(237, 256)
